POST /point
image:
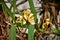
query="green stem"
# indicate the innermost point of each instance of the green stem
(12, 32)
(31, 32)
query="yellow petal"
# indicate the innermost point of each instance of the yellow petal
(18, 19)
(20, 28)
(26, 12)
(43, 26)
(24, 22)
(31, 17)
(47, 20)
(32, 22)
(47, 23)
(25, 16)
(21, 17)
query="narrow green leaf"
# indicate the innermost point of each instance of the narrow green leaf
(33, 9)
(7, 10)
(12, 33)
(14, 6)
(56, 31)
(31, 32)
(13, 28)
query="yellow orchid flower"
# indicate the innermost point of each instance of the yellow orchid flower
(47, 23)
(28, 16)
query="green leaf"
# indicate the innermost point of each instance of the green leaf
(14, 6)
(12, 33)
(31, 32)
(18, 24)
(33, 9)
(56, 31)
(7, 10)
